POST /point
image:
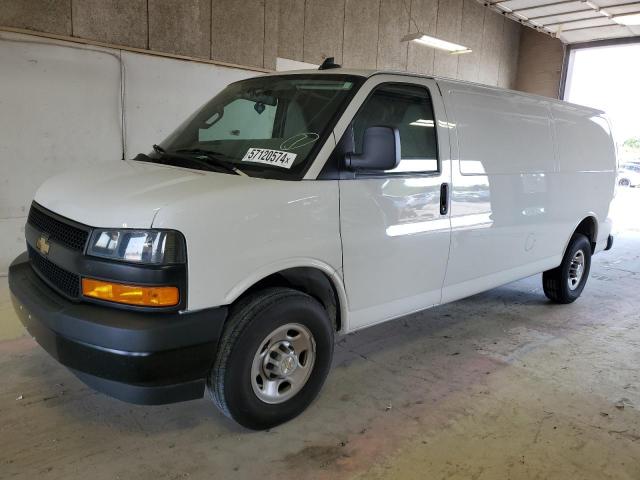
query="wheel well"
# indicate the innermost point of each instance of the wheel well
(589, 228)
(309, 280)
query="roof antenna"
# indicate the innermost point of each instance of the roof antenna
(328, 64)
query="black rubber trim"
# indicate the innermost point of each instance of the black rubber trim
(108, 327)
(135, 356)
(165, 367)
(157, 395)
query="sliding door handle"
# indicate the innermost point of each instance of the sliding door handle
(444, 198)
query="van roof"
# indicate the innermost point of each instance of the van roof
(369, 73)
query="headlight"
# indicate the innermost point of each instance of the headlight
(140, 246)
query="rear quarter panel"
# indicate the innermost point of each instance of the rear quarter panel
(519, 186)
(586, 167)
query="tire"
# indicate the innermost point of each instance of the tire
(253, 335)
(565, 283)
(624, 182)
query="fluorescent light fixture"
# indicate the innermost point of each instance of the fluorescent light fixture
(434, 42)
(629, 19)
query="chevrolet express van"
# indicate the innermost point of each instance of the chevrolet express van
(294, 207)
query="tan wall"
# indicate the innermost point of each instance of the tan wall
(358, 33)
(540, 63)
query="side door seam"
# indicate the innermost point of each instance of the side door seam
(451, 186)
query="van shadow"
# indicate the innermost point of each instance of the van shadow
(512, 304)
(516, 304)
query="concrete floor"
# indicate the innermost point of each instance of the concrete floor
(503, 385)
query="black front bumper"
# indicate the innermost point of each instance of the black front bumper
(139, 357)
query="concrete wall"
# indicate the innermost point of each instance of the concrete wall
(358, 33)
(539, 63)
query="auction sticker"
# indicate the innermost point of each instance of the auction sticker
(276, 158)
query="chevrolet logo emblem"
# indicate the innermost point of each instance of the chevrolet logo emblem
(42, 244)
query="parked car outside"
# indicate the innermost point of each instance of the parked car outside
(629, 174)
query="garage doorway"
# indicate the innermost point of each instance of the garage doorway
(606, 76)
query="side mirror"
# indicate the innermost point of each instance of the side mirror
(380, 150)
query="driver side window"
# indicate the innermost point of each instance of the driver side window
(407, 108)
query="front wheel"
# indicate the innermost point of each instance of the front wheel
(565, 283)
(274, 356)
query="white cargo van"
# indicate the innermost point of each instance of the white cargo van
(293, 207)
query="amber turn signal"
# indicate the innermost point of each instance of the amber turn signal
(130, 294)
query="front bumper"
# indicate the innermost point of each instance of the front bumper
(139, 357)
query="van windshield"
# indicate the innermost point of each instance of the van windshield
(270, 127)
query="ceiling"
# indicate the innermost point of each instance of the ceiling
(572, 21)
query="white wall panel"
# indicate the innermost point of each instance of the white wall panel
(61, 107)
(162, 92)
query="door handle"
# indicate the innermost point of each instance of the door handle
(444, 198)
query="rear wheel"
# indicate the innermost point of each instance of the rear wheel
(274, 356)
(565, 283)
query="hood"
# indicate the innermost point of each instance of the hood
(125, 194)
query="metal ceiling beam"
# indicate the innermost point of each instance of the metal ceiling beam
(598, 17)
(617, 5)
(626, 4)
(515, 14)
(612, 24)
(543, 5)
(505, 11)
(616, 15)
(569, 12)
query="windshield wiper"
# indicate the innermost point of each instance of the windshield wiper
(212, 158)
(166, 156)
(213, 163)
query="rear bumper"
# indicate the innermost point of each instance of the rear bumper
(138, 357)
